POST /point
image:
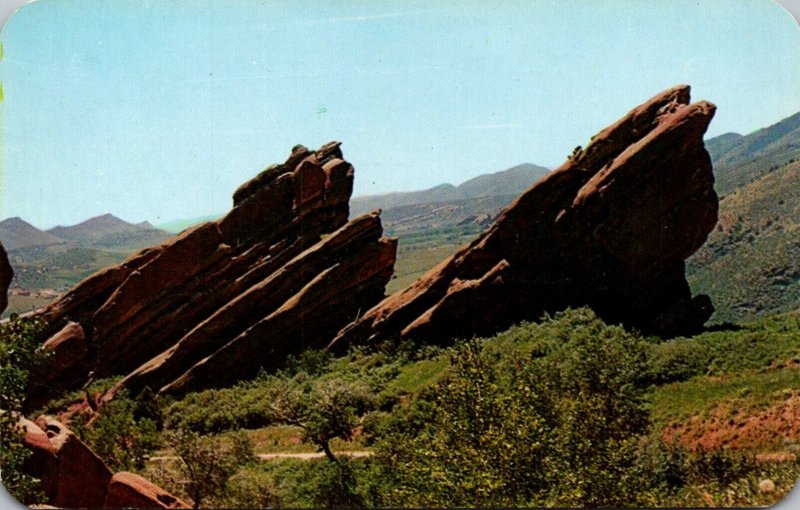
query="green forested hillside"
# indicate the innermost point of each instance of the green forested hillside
(749, 265)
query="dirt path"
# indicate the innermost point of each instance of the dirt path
(272, 456)
(313, 455)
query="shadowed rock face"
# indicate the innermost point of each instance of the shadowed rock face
(6, 274)
(610, 228)
(168, 307)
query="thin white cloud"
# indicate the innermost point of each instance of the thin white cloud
(492, 126)
(366, 17)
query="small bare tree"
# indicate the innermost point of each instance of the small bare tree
(206, 465)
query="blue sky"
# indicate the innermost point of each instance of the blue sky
(157, 110)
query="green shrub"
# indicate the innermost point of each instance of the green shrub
(124, 434)
(334, 485)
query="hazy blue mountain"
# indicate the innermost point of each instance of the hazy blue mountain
(16, 233)
(512, 181)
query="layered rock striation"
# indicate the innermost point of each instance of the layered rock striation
(214, 294)
(610, 228)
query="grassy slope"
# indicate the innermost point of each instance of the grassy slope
(734, 388)
(751, 368)
(747, 369)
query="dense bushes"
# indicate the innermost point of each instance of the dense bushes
(558, 425)
(19, 353)
(125, 433)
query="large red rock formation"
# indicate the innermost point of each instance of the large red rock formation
(610, 228)
(168, 307)
(6, 273)
(301, 304)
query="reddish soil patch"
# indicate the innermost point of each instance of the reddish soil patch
(735, 428)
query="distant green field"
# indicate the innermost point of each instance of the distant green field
(420, 251)
(59, 268)
(414, 262)
(176, 226)
(22, 304)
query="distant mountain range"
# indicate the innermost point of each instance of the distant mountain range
(740, 160)
(104, 232)
(512, 181)
(53, 260)
(441, 206)
(177, 226)
(16, 234)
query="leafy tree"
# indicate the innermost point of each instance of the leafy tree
(19, 352)
(325, 408)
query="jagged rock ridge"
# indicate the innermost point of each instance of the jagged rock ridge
(610, 228)
(284, 253)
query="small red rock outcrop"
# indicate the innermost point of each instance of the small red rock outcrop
(6, 274)
(610, 228)
(171, 306)
(73, 476)
(129, 490)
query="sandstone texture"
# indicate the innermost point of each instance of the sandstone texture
(215, 294)
(73, 476)
(6, 273)
(610, 228)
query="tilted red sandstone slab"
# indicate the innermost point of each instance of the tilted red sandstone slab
(360, 263)
(138, 310)
(610, 228)
(71, 474)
